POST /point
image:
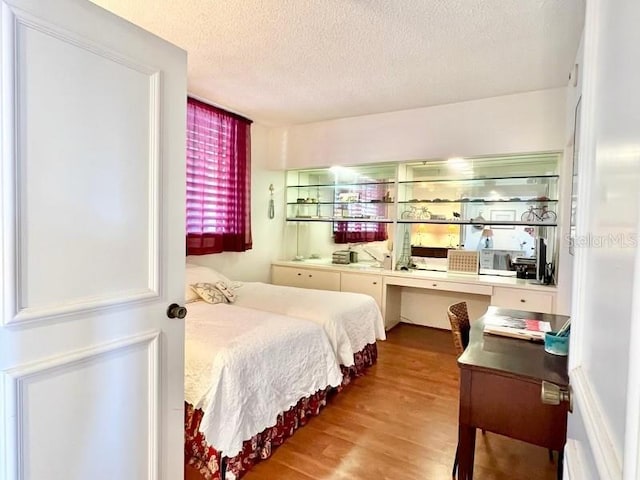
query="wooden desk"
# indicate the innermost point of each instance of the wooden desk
(500, 385)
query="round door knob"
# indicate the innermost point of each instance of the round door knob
(176, 311)
(552, 394)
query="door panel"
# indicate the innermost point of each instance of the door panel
(604, 428)
(92, 177)
(43, 409)
(104, 154)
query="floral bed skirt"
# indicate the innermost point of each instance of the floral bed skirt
(203, 457)
(363, 359)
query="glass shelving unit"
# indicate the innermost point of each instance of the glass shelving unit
(349, 202)
(492, 204)
(530, 199)
(498, 206)
(356, 194)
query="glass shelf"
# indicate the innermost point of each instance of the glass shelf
(478, 179)
(362, 176)
(339, 219)
(537, 165)
(484, 223)
(370, 202)
(513, 190)
(341, 185)
(522, 200)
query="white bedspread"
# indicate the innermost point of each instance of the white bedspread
(351, 320)
(243, 367)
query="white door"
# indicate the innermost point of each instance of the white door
(605, 345)
(91, 208)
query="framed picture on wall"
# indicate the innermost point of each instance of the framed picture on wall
(502, 216)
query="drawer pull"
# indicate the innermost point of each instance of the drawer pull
(434, 285)
(375, 283)
(522, 300)
(299, 274)
(310, 276)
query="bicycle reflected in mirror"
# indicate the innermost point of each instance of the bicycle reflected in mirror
(539, 214)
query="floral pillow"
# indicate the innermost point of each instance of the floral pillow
(226, 291)
(209, 293)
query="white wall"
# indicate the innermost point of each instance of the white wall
(526, 122)
(255, 264)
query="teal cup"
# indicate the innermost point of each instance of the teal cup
(556, 345)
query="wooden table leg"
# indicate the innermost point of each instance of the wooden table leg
(466, 451)
(560, 472)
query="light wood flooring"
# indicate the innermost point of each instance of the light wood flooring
(399, 422)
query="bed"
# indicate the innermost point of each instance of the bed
(351, 321)
(251, 379)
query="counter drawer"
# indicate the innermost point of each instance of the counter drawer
(362, 283)
(305, 278)
(448, 286)
(519, 299)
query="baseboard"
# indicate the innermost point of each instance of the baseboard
(606, 458)
(391, 325)
(572, 462)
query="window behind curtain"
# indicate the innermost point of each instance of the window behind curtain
(218, 180)
(355, 232)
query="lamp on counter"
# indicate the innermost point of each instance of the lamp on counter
(486, 239)
(422, 228)
(452, 230)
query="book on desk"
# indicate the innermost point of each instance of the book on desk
(522, 328)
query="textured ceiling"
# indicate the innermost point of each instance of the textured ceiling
(283, 62)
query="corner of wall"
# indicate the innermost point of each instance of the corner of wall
(267, 233)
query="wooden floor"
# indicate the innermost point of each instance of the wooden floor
(399, 422)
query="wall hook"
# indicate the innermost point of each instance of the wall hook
(272, 212)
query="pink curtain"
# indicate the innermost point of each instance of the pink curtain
(356, 232)
(218, 180)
